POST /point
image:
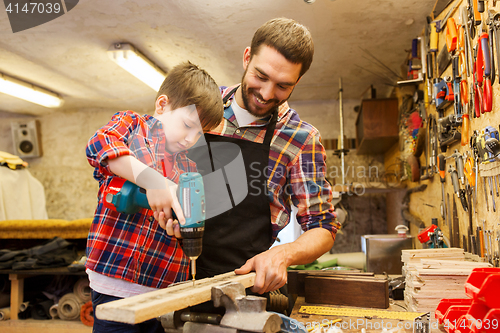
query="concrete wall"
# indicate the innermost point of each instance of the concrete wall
(70, 189)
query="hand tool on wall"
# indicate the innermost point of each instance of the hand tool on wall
(465, 129)
(433, 48)
(433, 237)
(440, 24)
(126, 197)
(475, 156)
(451, 35)
(490, 181)
(477, 78)
(449, 217)
(491, 134)
(457, 78)
(490, 246)
(460, 193)
(432, 145)
(444, 93)
(470, 229)
(491, 31)
(456, 226)
(443, 60)
(485, 242)
(486, 194)
(492, 146)
(469, 171)
(479, 242)
(464, 40)
(459, 164)
(473, 19)
(442, 178)
(495, 24)
(448, 131)
(487, 91)
(497, 253)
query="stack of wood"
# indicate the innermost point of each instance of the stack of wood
(434, 274)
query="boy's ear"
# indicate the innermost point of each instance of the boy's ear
(161, 104)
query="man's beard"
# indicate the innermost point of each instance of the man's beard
(273, 102)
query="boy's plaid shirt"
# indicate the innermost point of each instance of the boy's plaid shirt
(296, 170)
(133, 247)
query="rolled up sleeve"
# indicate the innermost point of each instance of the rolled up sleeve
(110, 141)
(312, 193)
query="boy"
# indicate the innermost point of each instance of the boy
(129, 254)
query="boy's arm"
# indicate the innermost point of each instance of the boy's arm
(159, 190)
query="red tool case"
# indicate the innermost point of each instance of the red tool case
(478, 314)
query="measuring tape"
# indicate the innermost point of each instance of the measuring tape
(349, 312)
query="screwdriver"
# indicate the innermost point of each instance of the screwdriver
(442, 175)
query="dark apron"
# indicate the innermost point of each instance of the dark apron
(243, 231)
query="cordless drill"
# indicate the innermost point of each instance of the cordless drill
(125, 197)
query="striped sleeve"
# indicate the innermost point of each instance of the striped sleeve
(312, 193)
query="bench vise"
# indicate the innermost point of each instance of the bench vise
(243, 314)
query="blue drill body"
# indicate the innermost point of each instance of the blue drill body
(126, 197)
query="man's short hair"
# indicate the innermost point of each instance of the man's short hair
(187, 84)
(288, 37)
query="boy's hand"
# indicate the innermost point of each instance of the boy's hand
(162, 201)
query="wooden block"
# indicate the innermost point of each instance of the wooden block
(296, 278)
(360, 292)
(138, 309)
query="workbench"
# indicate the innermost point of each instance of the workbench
(353, 324)
(17, 277)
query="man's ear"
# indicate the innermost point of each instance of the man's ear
(161, 104)
(246, 57)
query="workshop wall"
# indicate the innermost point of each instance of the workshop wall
(70, 189)
(426, 204)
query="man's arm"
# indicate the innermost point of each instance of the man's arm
(312, 194)
(271, 265)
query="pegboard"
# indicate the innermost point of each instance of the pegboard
(427, 204)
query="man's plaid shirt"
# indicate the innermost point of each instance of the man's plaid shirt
(133, 247)
(296, 169)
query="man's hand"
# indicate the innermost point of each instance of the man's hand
(270, 267)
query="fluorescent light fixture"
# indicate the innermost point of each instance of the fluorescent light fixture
(29, 92)
(138, 65)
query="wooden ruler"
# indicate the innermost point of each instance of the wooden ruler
(352, 312)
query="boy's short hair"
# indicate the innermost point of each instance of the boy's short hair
(187, 84)
(289, 38)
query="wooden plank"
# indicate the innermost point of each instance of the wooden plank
(369, 293)
(137, 309)
(433, 263)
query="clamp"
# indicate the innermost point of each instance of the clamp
(243, 313)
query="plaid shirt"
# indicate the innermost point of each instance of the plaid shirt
(133, 247)
(296, 168)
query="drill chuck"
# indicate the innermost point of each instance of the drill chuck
(192, 246)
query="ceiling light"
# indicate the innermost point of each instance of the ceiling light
(29, 92)
(137, 64)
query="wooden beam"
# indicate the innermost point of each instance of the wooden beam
(297, 278)
(350, 291)
(137, 309)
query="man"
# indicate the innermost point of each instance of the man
(284, 162)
